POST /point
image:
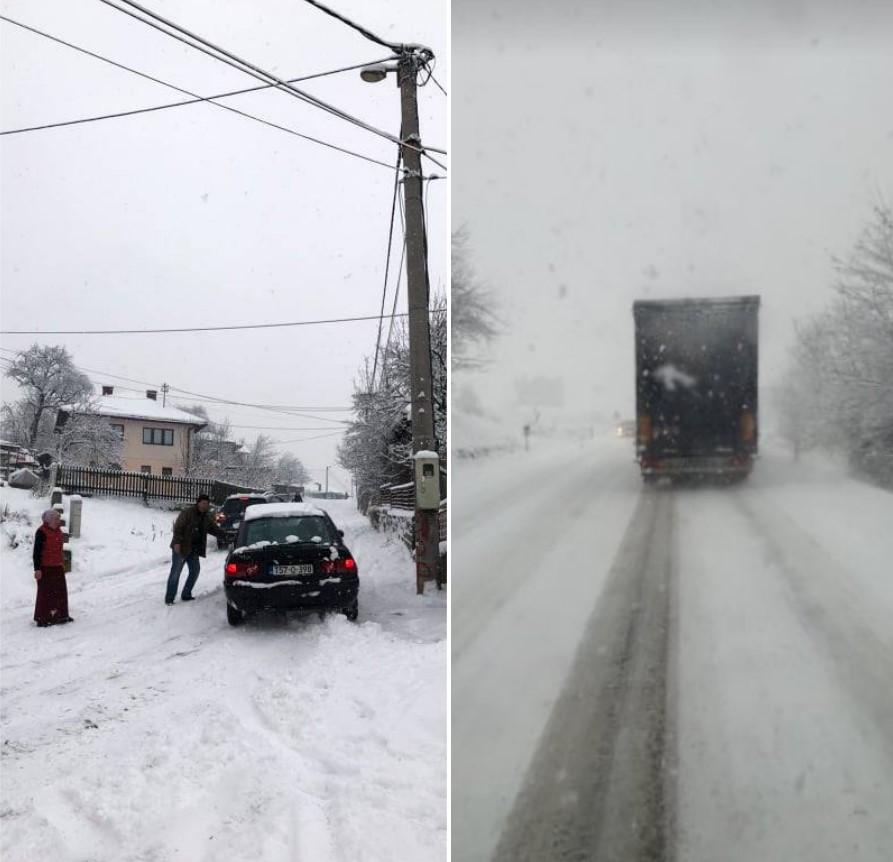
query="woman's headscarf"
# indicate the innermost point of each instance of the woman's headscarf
(48, 515)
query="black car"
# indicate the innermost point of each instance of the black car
(230, 514)
(289, 556)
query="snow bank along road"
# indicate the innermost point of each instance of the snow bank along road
(142, 732)
(687, 673)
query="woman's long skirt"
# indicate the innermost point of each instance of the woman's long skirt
(52, 597)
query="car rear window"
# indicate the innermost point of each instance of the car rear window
(301, 528)
(236, 505)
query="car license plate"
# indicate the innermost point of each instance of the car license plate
(292, 570)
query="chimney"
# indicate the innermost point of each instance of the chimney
(152, 394)
(108, 390)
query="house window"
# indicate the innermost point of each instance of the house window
(119, 430)
(158, 436)
(145, 469)
(167, 471)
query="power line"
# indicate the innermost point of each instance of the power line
(185, 102)
(397, 289)
(194, 328)
(353, 25)
(271, 409)
(438, 84)
(275, 428)
(286, 410)
(387, 267)
(195, 96)
(308, 439)
(236, 62)
(278, 407)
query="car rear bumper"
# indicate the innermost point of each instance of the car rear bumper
(724, 465)
(332, 592)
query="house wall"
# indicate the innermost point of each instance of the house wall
(135, 454)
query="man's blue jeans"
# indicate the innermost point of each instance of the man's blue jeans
(173, 580)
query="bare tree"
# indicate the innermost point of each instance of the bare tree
(474, 322)
(192, 444)
(377, 447)
(259, 462)
(87, 439)
(290, 470)
(49, 379)
(841, 378)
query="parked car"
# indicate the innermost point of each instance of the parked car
(230, 514)
(289, 556)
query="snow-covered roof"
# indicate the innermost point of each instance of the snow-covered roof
(281, 510)
(8, 444)
(143, 408)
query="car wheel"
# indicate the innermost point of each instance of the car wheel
(234, 616)
(352, 612)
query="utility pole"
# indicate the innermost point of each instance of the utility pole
(420, 383)
(410, 59)
(327, 483)
(164, 390)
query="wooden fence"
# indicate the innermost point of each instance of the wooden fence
(398, 496)
(400, 501)
(91, 481)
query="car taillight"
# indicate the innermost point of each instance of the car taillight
(241, 569)
(644, 430)
(747, 426)
(342, 566)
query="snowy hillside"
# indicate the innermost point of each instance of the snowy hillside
(149, 732)
(480, 435)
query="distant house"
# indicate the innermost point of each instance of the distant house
(156, 438)
(14, 457)
(225, 454)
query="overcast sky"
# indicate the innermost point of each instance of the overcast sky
(611, 151)
(194, 216)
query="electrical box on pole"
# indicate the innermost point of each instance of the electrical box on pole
(427, 480)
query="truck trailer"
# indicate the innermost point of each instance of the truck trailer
(696, 387)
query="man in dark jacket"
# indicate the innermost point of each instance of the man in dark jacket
(189, 543)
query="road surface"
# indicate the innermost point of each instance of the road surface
(694, 673)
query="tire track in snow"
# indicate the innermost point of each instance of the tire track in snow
(601, 784)
(500, 572)
(824, 602)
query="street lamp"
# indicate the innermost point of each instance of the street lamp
(377, 72)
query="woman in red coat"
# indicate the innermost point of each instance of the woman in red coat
(49, 572)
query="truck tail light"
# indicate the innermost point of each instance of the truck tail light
(241, 569)
(747, 426)
(644, 428)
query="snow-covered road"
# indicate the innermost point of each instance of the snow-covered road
(689, 673)
(145, 732)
